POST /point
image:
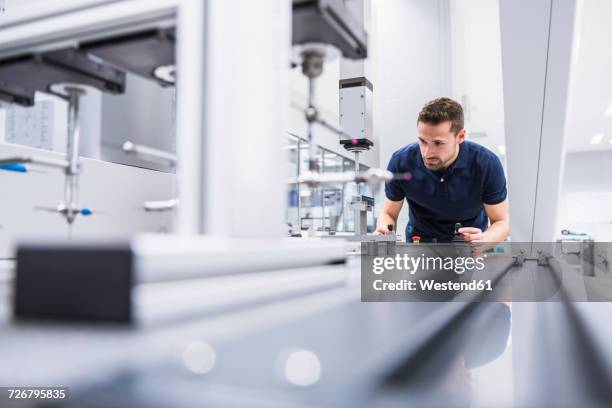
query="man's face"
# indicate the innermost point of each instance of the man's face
(439, 145)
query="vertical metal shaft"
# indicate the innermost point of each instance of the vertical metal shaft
(312, 163)
(299, 197)
(312, 67)
(174, 136)
(357, 171)
(173, 118)
(71, 186)
(312, 148)
(322, 193)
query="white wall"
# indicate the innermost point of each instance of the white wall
(412, 40)
(585, 203)
(586, 197)
(477, 70)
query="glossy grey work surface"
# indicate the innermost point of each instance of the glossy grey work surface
(355, 354)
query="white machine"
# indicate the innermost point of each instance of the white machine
(142, 42)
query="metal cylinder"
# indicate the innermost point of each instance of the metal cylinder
(312, 63)
(310, 118)
(357, 170)
(71, 186)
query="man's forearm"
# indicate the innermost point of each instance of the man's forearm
(384, 219)
(497, 232)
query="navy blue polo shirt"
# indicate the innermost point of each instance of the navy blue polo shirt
(439, 199)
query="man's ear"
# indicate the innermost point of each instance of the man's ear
(461, 136)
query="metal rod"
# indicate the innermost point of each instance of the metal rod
(158, 206)
(342, 213)
(312, 164)
(326, 124)
(322, 189)
(173, 117)
(334, 129)
(43, 161)
(373, 176)
(141, 150)
(71, 186)
(357, 171)
(299, 198)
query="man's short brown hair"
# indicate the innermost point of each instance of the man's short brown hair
(442, 110)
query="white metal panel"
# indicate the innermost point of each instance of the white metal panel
(552, 150)
(64, 29)
(536, 52)
(114, 191)
(190, 115)
(143, 115)
(524, 38)
(20, 11)
(353, 111)
(246, 100)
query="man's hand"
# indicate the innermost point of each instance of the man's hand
(475, 238)
(382, 231)
(471, 234)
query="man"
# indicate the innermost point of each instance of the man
(452, 181)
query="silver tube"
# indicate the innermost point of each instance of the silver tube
(357, 171)
(322, 190)
(372, 175)
(158, 206)
(299, 198)
(141, 150)
(74, 130)
(71, 186)
(312, 164)
(43, 161)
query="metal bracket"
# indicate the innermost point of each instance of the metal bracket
(541, 259)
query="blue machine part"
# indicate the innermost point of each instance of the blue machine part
(20, 168)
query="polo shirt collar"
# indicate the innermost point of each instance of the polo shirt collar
(462, 157)
(460, 162)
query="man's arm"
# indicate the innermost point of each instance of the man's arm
(388, 215)
(499, 229)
